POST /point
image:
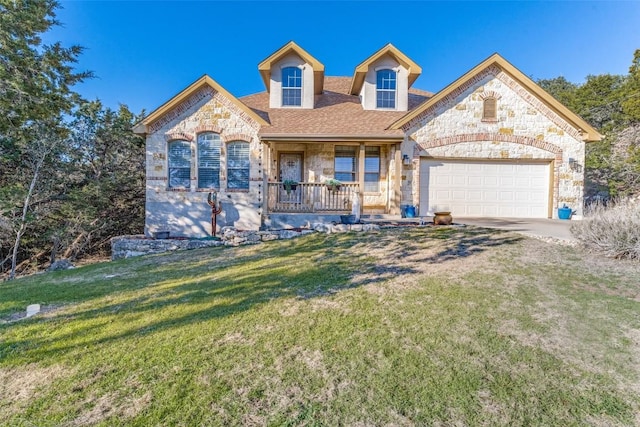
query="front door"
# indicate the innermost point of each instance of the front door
(291, 166)
(290, 169)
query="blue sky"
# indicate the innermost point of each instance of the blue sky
(145, 52)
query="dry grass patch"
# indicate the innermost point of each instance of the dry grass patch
(19, 385)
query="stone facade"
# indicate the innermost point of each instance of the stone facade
(185, 212)
(528, 126)
(525, 129)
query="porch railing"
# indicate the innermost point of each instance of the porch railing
(309, 197)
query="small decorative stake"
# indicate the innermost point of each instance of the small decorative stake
(216, 208)
(33, 309)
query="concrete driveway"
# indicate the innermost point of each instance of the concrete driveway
(554, 228)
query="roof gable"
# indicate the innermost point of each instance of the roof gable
(203, 82)
(361, 70)
(588, 133)
(318, 68)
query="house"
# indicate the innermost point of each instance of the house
(492, 143)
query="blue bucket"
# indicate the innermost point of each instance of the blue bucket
(410, 212)
(564, 213)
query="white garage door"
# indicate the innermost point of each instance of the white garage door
(484, 188)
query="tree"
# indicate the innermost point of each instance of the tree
(561, 89)
(105, 195)
(631, 100)
(43, 144)
(35, 93)
(611, 104)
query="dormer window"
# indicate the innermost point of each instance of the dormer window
(490, 109)
(291, 87)
(386, 89)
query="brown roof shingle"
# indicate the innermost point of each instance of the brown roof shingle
(335, 114)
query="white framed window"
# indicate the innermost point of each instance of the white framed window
(238, 165)
(345, 163)
(372, 169)
(386, 89)
(179, 164)
(291, 87)
(209, 146)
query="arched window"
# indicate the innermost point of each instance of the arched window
(209, 160)
(238, 165)
(490, 109)
(179, 164)
(386, 89)
(292, 86)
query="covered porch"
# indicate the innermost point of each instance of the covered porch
(297, 174)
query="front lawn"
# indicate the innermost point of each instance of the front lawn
(422, 325)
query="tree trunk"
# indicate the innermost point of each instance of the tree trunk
(23, 220)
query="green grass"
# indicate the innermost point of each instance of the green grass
(416, 326)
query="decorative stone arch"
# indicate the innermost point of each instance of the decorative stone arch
(490, 94)
(208, 128)
(174, 136)
(501, 137)
(237, 137)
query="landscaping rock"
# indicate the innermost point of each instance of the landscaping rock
(288, 234)
(61, 264)
(130, 246)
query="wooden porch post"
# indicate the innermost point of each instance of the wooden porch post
(266, 170)
(361, 157)
(397, 194)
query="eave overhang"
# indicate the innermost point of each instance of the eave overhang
(330, 138)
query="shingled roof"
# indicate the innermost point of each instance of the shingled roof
(336, 115)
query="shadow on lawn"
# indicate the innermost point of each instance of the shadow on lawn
(175, 290)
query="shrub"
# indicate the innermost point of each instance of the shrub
(612, 229)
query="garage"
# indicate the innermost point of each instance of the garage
(485, 188)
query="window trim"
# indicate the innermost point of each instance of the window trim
(378, 173)
(229, 168)
(170, 168)
(380, 90)
(298, 88)
(219, 168)
(354, 171)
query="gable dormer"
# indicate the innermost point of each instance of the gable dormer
(383, 80)
(292, 77)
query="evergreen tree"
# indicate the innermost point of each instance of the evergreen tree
(35, 93)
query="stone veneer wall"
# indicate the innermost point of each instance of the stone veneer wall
(525, 129)
(132, 246)
(185, 212)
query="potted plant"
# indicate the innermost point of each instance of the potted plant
(565, 212)
(289, 184)
(333, 184)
